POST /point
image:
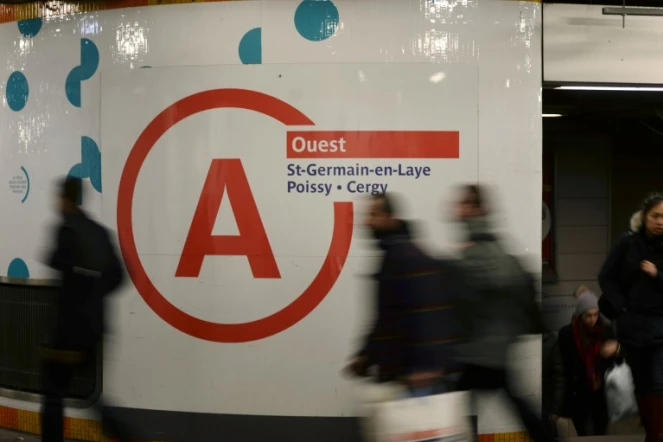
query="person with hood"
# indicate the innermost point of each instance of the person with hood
(632, 282)
(581, 361)
(501, 307)
(412, 338)
(90, 269)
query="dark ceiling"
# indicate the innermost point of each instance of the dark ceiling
(602, 105)
(605, 105)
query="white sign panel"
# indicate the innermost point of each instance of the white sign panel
(238, 195)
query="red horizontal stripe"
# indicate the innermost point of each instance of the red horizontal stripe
(373, 144)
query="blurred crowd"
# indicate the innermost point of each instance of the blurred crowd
(447, 323)
(441, 323)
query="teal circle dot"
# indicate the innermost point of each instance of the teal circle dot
(316, 20)
(250, 47)
(17, 91)
(30, 28)
(18, 269)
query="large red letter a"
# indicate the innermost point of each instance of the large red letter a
(252, 241)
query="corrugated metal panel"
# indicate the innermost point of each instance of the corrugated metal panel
(27, 320)
(25, 11)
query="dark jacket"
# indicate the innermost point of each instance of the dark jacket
(90, 269)
(635, 298)
(416, 327)
(572, 391)
(501, 305)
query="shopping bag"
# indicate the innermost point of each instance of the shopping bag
(620, 393)
(442, 417)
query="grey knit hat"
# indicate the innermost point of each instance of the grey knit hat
(587, 300)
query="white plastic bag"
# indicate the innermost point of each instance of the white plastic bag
(442, 417)
(620, 393)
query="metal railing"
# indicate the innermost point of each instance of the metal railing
(27, 320)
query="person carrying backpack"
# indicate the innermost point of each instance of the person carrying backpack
(90, 269)
(500, 307)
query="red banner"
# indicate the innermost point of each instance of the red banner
(372, 144)
(547, 252)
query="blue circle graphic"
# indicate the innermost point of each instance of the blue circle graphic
(250, 47)
(18, 269)
(30, 28)
(17, 91)
(316, 20)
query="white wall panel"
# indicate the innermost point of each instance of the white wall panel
(385, 65)
(580, 44)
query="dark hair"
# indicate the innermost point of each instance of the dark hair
(71, 190)
(652, 200)
(476, 195)
(389, 205)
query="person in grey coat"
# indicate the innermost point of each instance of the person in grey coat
(500, 307)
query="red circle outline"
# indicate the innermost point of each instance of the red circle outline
(211, 331)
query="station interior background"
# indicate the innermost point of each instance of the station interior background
(603, 152)
(601, 149)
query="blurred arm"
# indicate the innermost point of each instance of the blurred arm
(63, 257)
(115, 271)
(609, 276)
(365, 350)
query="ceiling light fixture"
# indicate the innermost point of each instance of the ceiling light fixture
(642, 12)
(612, 88)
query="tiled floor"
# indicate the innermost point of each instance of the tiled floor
(620, 438)
(10, 436)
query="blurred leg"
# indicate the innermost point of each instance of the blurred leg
(580, 424)
(56, 380)
(483, 378)
(372, 395)
(599, 410)
(641, 362)
(656, 416)
(533, 423)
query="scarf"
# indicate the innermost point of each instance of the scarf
(589, 348)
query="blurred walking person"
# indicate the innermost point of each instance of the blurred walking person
(410, 347)
(581, 359)
(632, 284)
(500, 308)
(90, 269)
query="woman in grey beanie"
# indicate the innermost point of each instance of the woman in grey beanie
(580, 362)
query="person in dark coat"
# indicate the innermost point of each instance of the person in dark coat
(90, 269)
(412, 339)
(500, 308)
(632, 282)
(581, 361)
